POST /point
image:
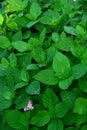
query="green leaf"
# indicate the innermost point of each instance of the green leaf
(78, 71)
(21, 21)
(77, 50)
(81, 119)
(32, 67)
(24, 119)
(38, 55)
(80, 106)
(5, 127)
(15, 73)
(2, 81)
(50, 17)
(49, 98)
(26, 34)
(12, 25)
(84, 127)
(33, 88)
(47, 77)
(71, 128)
(67, 8)
(33, 42)
(5, 97)
(42, 35)
(51, 51)
(47, 43)
(35, 11)
(20, 85)
(68, 97)
(10, 82)
(24, 75)
(12, 118)
(84, 57)
(4, 42)
(60, 109)
(20, 46)
(59, 5)
(80, 31)
(13, 60)
(34, 128)
(17, 36)
(70, 30)
(55, 124)
(82, 82)
(73, 118)
(24, 59)
(22, 127)
(64, 84)
(41, 118)
(61, 65)
(55, 36)
(22, 100)
(14, 5)
(5, 104)
(8, 95)
(2, 71)
(1, 19)
(4, 62)
(64, 43)
(31, 23)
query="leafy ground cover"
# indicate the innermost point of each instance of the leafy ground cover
(43, 65)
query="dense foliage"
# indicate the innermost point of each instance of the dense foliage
(43, 59)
